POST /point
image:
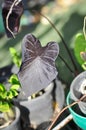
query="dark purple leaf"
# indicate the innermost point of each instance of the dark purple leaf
(14, 17)
(38, 64)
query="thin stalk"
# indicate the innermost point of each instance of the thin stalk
(68, 106)
(84, 27)
(63, 122)
(66, 64)
(63, 41)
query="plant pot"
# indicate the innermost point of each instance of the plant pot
(78, 119)
(76, 92)
(39, 109)
(15, 125)
(58, 93)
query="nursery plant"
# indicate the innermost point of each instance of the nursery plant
(7, 107)
(39, 66)
(36, 53)
(37, 69)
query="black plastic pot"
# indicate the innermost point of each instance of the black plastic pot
(15, 125)
(39, 109)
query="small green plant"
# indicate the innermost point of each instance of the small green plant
(6, 98)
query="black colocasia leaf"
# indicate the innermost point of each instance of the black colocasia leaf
(38, 69)
(14, 17)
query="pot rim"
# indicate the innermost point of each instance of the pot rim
(48, 90)
(80, 78)
(17, 117)
(71, 110)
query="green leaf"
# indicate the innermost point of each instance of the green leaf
(14, 80)
(9, 95)
(2, 88)
(14, 93)
(3, 95)
(12, 51)
(15, 87)
(80, 46)
(15, 57)
(4, 106)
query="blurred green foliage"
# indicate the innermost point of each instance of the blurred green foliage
(68, 21)
(6, 96)
(16, 59)
(80, 49)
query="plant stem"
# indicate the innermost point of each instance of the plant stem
(68, 106)
(64, 43)
(84, 26)
(66, 64)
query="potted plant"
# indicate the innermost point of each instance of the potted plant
(9, 113)
(37, 102)
(76, 98)
(31, 58)
(77, 92)
(78, 85)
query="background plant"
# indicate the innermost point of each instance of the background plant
(6, 97)
(16, 58)
(80, 49)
